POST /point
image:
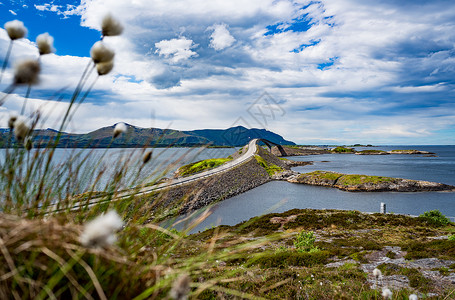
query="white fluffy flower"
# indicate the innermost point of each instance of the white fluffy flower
(101, 53)
(21, 128)
(11, 121)
(119, 129)
(413, 297)
(387, 293)
(147, 156)
(110, 26)
(377, 273)
(100, 231)
(45, 43)
(104, 68)
(15, 29)
(27, 72)
(180, 288)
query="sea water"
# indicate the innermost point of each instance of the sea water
(280, 196)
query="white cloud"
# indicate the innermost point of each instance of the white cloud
(13, 12)
(220, 38)
(342, 69)
(65, 11)
(176, 49)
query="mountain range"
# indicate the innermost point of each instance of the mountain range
(150, 137)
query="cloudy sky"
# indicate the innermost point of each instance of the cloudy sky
(316, 72)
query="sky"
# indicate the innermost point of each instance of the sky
(315, 72)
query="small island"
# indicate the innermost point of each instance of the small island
(366, 183)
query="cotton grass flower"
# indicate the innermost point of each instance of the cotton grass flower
(100, 232)
(377, 273)
(28, 143)
(21, 128)
(387, 293)
(27, 72)
(15, 29)
(180, 288)
(11, 121)
(104, 68)
(45, 43)
(101, 53)
(147, 156)
(110, 26)
(119, 129)
(413, 297)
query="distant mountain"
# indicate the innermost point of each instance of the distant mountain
(238, 136)
(150, 137)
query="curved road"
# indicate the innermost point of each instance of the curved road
(252, 149)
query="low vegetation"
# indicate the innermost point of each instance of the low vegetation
(355, 179)
(271, 169)
(320, 254)
(343, 150)
(371, 152)
(202, 165)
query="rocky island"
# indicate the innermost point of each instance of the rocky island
(366, 183)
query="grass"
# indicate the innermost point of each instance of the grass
(271, 169)
(362, 179)
(41, 255)
(371, 151)
(343, 150)
(321, 175)
(202, 165)
(277, 269)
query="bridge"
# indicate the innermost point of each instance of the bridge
(270, 144)
(245, 157)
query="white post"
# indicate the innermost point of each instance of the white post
(383, 208)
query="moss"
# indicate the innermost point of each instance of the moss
(271, 169)
(290, 258)
(359, 256)
(416, 279)
(390, 255)
(202, 165)
(444, 249)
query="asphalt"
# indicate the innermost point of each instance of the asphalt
(252, 149)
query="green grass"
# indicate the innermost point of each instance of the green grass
(343, 150)
(322, 175)
(372, 151)
(271, 169)
(202, 165)
(362, 179)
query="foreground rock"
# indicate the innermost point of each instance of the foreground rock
(365, 183)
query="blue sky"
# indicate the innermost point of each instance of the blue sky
(338, 71)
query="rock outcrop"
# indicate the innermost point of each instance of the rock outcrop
(365, 183)
(410, 152)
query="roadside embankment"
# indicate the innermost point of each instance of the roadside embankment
(189, 197)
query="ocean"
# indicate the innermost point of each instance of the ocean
(279, 196)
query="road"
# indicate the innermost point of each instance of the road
(252, 149)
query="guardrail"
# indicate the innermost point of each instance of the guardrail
(162, 186)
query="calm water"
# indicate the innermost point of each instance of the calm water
(280, 196)
(106, 162)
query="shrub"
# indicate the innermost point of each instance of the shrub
(304, 242)
(435, 217)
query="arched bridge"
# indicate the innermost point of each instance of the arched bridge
(249, 154)
(270, 144)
